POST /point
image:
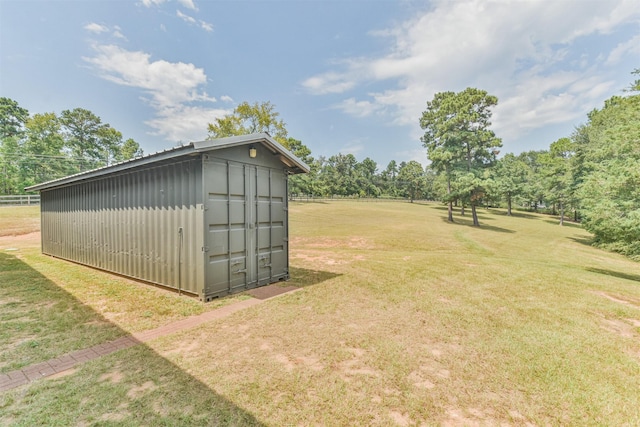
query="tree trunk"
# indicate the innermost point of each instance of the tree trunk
(462, 210)
(508, 204)
(450, 211)
(561, 213)
(474, 214)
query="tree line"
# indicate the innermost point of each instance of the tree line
(46, 146)
(338, 175)
(591, 176)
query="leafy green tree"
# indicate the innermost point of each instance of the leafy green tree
(110, 141)
(10, 154)
(431, 183)
(441, 140)
(412, 180)
(339, 175)
(130, 149)
(365, 174)
(12, 118)
(86, 137)
(533, 191)
(305, 183)
(458, 139)
(250, 118)
(43, 157)
(509, 178)
(610, 192)
(557, 174)
(43, 135)
(388, 178)
(45, 146)
(635, 86)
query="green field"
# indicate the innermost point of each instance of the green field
(404, 319)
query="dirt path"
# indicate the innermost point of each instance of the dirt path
(20, 241)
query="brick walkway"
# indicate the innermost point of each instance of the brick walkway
(27, 374)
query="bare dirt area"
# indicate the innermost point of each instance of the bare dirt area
(352, 242)
(634, 302)
(20, 240)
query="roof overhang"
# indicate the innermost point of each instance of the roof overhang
(291, 162)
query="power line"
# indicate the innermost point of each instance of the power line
(48, 156)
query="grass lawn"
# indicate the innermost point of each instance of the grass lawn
(404, 319)
(17, 220)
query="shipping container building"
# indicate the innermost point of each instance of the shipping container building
(207, 218)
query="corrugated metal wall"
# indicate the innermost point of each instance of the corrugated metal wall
(146, 224)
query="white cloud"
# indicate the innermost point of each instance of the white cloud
(193, 21)
(226, 98)
(167, 83)
(117, 33)
(358, 108)
(173, 89)
(544, 100)
(188, 4)
(329, 83)
(186, 18)
(96, 28)
(518, 51)
(630, 47)
(150, 3)
(206, 26)
(185, 123)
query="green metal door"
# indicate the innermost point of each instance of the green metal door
(245, 219)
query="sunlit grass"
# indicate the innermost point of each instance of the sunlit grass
(16, 220)
(404, 319)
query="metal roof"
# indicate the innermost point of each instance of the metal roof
(291, 161)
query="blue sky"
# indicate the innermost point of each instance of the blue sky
(346, 76)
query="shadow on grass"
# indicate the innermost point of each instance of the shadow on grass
(497, 212)
(313, 201)
(135, 386)
(587, 241)
(618, 274)
(461, 221)
(527, 215)
(567, 223)
(303, 277)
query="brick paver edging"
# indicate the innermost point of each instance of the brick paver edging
(30, 373)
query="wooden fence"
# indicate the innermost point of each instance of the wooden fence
(21, 199)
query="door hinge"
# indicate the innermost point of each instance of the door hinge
(205, 249)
